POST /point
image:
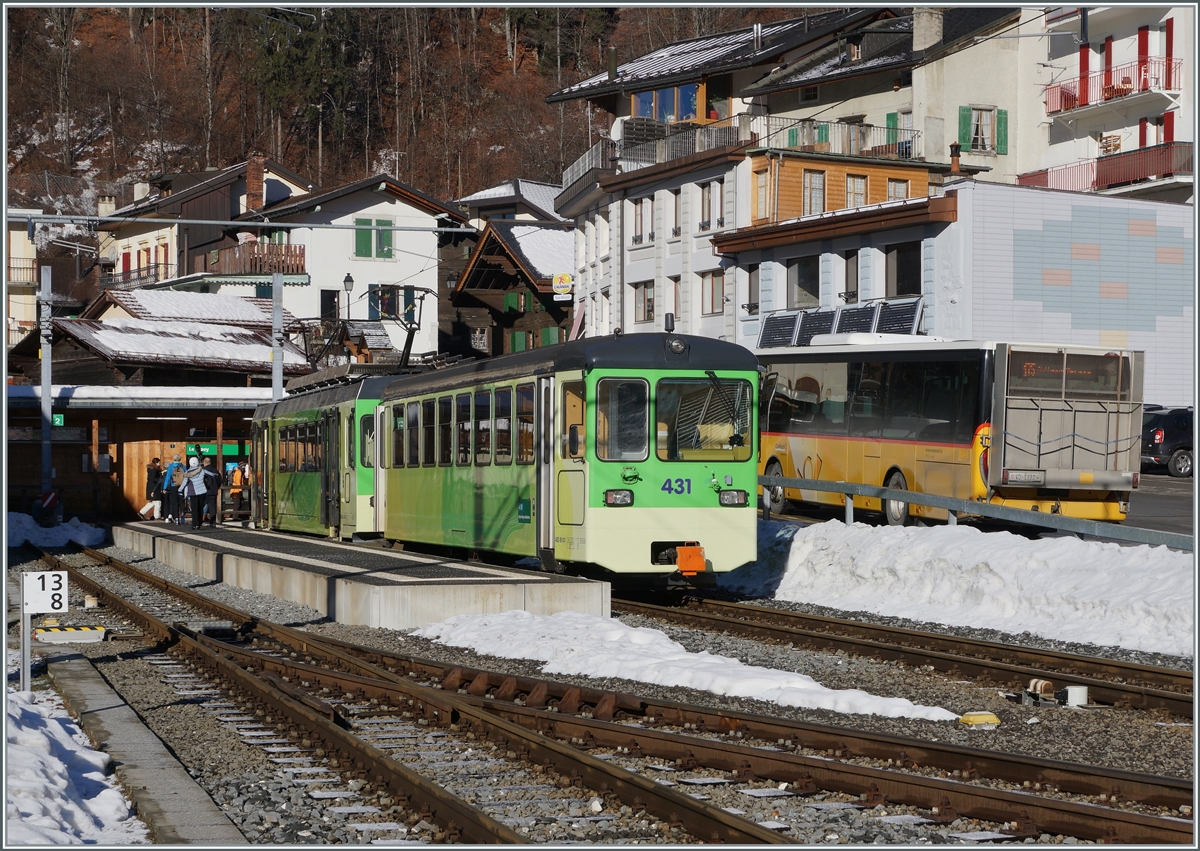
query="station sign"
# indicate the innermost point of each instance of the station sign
(44, 592)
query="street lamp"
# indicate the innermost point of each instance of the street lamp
(348, 283)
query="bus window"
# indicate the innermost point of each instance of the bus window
(483, 427)
(366, 429)
(398, 436)
(704, 419)
(445, 431)
(622, 419)
(462, 418)
(413, 423)
(866, 398)
(573, 417)
(504, 425)
(428, 431)
(525, 424)
(905, 386)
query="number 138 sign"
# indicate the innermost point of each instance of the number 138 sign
(44, 592)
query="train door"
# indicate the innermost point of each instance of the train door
(260, 474)
(330, 472)
(545, 474)
(350, 473)
(570, 468)
(375, 444)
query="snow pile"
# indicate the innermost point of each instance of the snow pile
(1138, 597)
(22, 529)
(575, 643)
(56, 792)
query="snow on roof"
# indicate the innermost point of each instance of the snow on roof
(545, 250)
(129, 396)
(534, 193)
(209, 307)
(194, 344)
(372, 333)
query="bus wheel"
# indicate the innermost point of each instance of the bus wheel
(773, 469)
(894, 510)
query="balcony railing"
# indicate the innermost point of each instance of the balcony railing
(22, 270)
(1151, 74)
(136, 278)
(259, 258)
(1129, 167)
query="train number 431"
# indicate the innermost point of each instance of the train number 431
(677, 486)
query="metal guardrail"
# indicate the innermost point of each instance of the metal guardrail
(1095, 528)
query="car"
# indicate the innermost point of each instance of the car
(1167, 439)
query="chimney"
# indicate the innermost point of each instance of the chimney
(106, 205)
(140, 191)
(955, 150)
(927, 27)
(612, 63)
(758, 36)
(255, 167)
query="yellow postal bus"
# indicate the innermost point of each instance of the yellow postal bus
(1041, 427)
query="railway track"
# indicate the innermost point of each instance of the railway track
(347, 685)
(1108, 681)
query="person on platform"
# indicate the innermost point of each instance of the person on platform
(170, 488)
(212, 486)
(154, 479)
(193, 490)
(237, 481)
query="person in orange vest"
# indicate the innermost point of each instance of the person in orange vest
(236, 482)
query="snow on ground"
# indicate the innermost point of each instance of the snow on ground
(1139, 597)
(22, 529)
(56, 791)
(575, 643)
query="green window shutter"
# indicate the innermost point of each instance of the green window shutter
(384, 240)
(362, 238)
(510, 302)
(964, 127)
(893, 127)
(793, 137)
(822, 132)
(550, 335)
(516, 341)
(372, 301)
(1002, 131)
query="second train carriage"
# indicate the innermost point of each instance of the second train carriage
(313, 461)
(612, 456)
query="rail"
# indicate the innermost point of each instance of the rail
(22, 270)
(1154, 162)
(132, 279)
(1154, 73)
(1095, 528)
(259, 258)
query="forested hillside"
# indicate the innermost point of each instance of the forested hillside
(450, 100)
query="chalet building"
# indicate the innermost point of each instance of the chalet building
(22, 276)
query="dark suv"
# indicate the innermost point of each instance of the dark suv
(1167, 439)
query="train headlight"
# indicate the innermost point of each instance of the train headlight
(733, 497)
(618, 497)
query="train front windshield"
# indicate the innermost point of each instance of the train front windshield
(707, 418)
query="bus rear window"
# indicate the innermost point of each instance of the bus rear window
(1059, 375)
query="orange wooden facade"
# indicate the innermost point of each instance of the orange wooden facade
(784, 183)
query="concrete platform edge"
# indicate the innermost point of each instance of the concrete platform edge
(177, 810)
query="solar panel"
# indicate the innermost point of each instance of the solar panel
(899, 317)
(777, 331)
(861, 318)
(815, 322)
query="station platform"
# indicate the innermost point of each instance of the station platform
(360, 584)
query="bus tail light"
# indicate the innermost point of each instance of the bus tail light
(618, 497)
(732, 497)
(1137, 480)
(1158, 435)
(983, 465)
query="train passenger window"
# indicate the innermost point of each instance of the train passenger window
(366, 427)
(462, 419)
(428, 431)
(398, 436)
(413, 424)
(504, 425)
(445, 431)
(483, 427)
(350, 441)
(525, 424)
(622, 419)
(315, 457)
(573, 415)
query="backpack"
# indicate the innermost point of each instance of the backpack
(177, 476)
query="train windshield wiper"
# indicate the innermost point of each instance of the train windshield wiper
(735, 439)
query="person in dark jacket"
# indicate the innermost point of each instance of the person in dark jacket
(171, 491)
(193, 490)
(212, 484)
(154, 476)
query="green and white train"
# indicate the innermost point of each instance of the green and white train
(625, 458)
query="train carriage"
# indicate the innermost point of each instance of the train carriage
(628, 457)
(313, 461)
